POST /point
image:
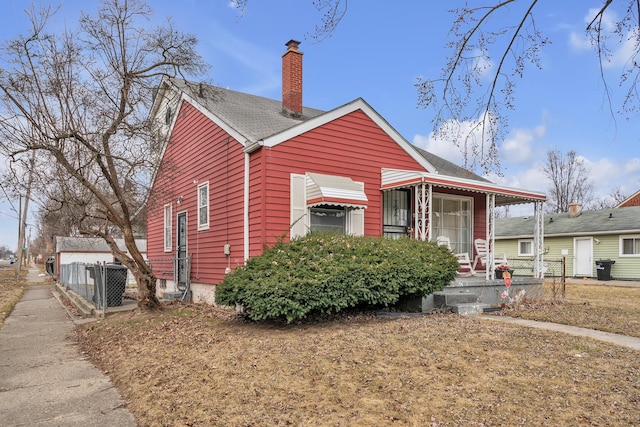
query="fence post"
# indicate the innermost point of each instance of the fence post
(564, 271)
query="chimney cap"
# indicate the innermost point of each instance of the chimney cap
(292, 44)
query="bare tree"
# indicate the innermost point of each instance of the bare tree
(80, 99)
(478, 83)
(569, 181)
(476, 87)
(611, 200)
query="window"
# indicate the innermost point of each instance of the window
(525, 247)
(347, 218)
(452, 218)
(203, 206)
(328, 218)
(167, 228)
(630, 246)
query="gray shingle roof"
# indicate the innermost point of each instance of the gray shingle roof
(252, 116)
(257, 118)
(92, 244)
(588, 222)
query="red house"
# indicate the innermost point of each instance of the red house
(239, 172)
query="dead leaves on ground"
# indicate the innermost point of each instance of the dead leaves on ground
(200, 365)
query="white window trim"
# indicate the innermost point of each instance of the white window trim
(204, 225)
(522, 253)
(168, 219)
(628, 236)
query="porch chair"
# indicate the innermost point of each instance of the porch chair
(481, 254)
(463, 258)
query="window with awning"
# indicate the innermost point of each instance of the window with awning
(326, 202)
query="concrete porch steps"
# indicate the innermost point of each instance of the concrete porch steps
(462, 303)
(469, 309)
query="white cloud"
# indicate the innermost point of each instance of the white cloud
(580, 41)
(517, 147)
(468, 136)
(605, 175)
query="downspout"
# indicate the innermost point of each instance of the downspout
(247, 168)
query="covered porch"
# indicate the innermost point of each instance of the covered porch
(428, 206)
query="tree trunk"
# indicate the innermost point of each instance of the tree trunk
(147, 299)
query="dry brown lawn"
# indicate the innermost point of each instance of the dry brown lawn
(10, 291)
(195, 365)
(602, 307)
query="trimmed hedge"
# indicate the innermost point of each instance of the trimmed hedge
(324, 273)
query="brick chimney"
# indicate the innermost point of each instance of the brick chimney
(292, 80)
(574, 209)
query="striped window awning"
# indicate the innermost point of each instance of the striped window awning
(335, 191)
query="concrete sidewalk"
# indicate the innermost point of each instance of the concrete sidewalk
(621, 340)
(44, 380)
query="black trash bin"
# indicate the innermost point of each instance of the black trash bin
(116, 278)
(50, 266)
(603, 268)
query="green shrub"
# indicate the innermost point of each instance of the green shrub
(325, 273)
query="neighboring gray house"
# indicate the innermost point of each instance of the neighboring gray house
(89, 250)
(582, 237)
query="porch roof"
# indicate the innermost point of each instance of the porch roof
(395, 179)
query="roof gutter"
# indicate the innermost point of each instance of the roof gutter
(582, 233)
(250, 147)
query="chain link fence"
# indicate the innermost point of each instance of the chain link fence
(554, 270)
(103, 285)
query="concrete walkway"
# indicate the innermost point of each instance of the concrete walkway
(622, 340)
(44, 380)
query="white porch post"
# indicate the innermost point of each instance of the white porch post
(490, 237)
(422, 212)
(429, 215)
(538, 241)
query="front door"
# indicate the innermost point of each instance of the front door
(181, 251)
(583, 256)
(396, 217)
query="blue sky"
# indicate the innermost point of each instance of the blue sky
(379, 51)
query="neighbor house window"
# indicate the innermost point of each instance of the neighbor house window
(167, 228)
(630, 245)
(203, 206)
(525, 247)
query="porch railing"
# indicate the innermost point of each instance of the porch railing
(177, 270)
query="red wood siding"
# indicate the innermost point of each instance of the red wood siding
(352, 146)
(200, 150)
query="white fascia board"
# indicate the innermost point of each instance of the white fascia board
(578, 234)
(217, 120)
(357, 104)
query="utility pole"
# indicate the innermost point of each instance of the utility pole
(20, 240)
(22, 217)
